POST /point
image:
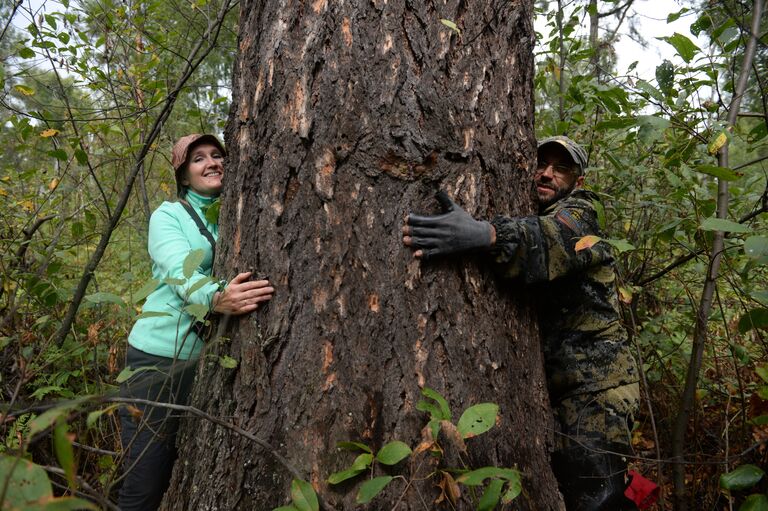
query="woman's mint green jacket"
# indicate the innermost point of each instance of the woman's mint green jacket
(172, 236)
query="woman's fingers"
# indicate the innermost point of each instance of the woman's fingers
(240, 278)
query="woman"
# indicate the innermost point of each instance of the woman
(163, 348)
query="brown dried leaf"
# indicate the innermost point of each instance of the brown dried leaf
(453, 436)
(449, 488)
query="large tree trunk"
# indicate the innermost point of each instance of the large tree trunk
(347, 115)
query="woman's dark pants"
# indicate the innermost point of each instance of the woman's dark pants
(149, 437)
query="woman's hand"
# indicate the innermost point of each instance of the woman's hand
(242, 296)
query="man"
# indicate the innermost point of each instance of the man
(591, 376)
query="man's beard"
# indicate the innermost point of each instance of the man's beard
(560, 193)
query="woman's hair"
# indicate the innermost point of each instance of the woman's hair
(180, 155)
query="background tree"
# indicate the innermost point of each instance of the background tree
(345, 117)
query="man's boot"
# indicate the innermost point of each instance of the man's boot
(591, 480)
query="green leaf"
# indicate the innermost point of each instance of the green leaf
(199, 283)
(491, 496)
(665, 77)
(434, 427)
(431, 408)
(192, 261)
(362, 462)
(26, 53)
(394, 452)
(760, 420)
(684, 46)
(741, 478)
(343, 475)
(371, 488)
(354, 446)
(756, 502)
(360, 465)
(104, 298)
(211, 212)
(477, 419)
(721, 224)
(48, 418)
(701, 24)
(621, 245)
(756, 247)
(51, 20)
(198, 310)
(81, 157)
(304, 496)
(59, 154)
(127, 373)
(450, 24)
(41, 392)
(152, 314)
(723, 173)
(762, 372)
(761, 296)
(650, 90)
(756, 318)
(514, 488)
(27, 482)
(145, 290)
(174, 282)
(617, 123)
(227, 362)
(762, 392)
(62, 446)
(674, 16)
(285, 508)
(443, 412)
(94, 416)
(478, 476)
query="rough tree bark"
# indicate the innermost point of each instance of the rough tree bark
(346, 115)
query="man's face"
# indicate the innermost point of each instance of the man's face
(556, 175)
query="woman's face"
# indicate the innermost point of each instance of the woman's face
(205, 168)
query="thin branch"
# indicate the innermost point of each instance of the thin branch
(16, 6)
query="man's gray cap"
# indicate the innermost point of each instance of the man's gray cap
(578, 154)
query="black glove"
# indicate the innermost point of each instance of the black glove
(453, 231)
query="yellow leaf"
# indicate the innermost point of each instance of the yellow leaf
(3, 193)
(625, 295)
(167, 189)
(556, 70)
(586, 242)
(450, 24)
(50, 132)
(24, 90)
(53, 184)
(5, 179)
(717, 143)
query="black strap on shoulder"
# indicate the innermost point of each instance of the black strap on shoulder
(200, 225)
